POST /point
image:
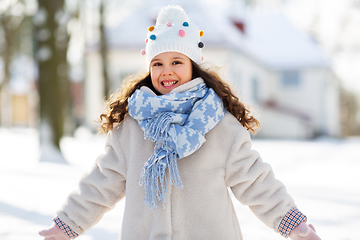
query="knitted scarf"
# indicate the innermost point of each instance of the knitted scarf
(177, 122)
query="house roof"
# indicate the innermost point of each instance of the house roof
(272, 39)
(268, 37)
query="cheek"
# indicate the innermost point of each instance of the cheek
(154, 81)
(188, 74)
(153, 76)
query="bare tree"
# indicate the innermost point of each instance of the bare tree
(54, 86)
(104, 48)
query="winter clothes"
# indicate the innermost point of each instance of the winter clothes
(202, 209)
(173, 32)
(177, 122)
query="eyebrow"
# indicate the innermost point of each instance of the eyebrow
(174, 58)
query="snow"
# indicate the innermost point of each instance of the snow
(48, 152)
(321, 175)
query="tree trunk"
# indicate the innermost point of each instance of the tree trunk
(54, 87)
(104, 49)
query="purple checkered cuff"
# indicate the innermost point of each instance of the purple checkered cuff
(65, 228)
(292, 218)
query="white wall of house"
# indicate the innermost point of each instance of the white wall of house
(276, 124)
(123, 63)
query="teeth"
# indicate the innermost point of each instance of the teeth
(166, 84)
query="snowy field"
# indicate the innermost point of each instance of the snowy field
(322, 175)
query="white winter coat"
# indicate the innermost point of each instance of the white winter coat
(202, 209)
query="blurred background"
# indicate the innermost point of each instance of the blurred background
(295, 62)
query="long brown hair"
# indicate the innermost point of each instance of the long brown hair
(118, 105)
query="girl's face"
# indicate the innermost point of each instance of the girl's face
(169, 70)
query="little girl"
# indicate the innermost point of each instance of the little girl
(177, 140)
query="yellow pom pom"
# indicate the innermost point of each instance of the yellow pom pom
(151, 28)
(201, 33)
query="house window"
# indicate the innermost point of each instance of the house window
(290, 78)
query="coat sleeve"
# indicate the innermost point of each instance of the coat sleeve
(99, 190)
(253, 182)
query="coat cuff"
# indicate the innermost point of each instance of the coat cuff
(65, 228)
(292, 218)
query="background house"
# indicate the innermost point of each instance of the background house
(274, 67)
(19, 99)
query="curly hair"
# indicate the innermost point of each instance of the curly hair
(118, 105)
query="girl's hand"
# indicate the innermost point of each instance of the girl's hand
(54, 233)
(304, 232)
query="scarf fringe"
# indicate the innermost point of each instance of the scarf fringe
(157, 127)
(153, 177)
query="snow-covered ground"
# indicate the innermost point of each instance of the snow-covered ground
(322, 175)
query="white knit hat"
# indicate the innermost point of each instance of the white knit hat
(173, 33)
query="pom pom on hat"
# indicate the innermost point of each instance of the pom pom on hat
(173, 32)
(171, 14)
(182, 32)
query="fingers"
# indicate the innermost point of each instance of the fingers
(312, 227)
(305, 231)
(53, 233)
(302, 230)
(48, 232)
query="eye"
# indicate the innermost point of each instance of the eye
(176, 62)
(156, 64)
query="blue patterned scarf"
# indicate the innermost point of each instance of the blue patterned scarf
(177, 122)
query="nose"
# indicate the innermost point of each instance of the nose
(167, 71)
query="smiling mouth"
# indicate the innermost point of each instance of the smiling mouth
(168, 83)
